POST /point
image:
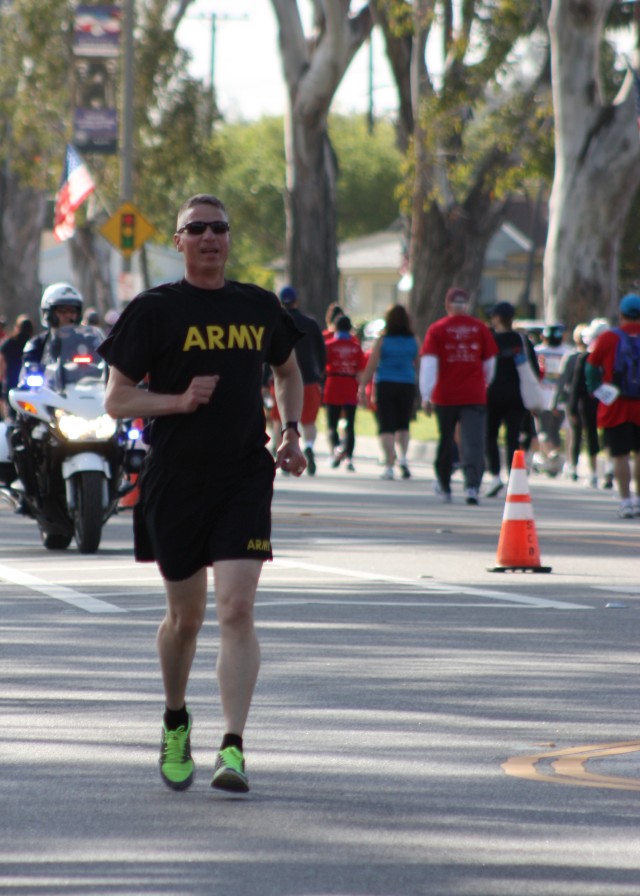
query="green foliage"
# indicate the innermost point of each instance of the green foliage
(250, 181)
(369, 175)
(498, 26)
(400, 16)
(482, 127)
(250, 178)
(174, 155)
(34, 87)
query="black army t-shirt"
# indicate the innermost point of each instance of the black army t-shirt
(174, 332)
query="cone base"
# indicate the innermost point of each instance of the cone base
(518, 569)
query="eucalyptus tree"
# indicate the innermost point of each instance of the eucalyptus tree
(313, 67)
(597, 165)
(472, 80)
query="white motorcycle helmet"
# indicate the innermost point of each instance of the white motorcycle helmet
(56, 295)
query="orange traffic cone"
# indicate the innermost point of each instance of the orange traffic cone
(131, 498)
(518, 545)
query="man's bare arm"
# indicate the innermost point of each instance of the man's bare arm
(123, 399)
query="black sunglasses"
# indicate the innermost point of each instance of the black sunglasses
(197, 228)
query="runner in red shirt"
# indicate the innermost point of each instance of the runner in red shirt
(457, 364)
(620, 419)
(345, 361)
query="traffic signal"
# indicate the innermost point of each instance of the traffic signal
(128, 231)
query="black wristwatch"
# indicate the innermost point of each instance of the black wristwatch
(291, 424)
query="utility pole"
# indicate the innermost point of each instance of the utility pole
(126, 151)
(213, 18)
(370, 115)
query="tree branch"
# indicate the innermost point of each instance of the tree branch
(293, 45)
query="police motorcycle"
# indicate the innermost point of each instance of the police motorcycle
(71, 458)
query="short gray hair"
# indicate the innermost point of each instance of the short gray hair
(201, 199)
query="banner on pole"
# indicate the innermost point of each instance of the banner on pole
(96, 45)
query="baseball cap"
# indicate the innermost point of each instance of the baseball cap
(503, 309)
(457, 295)
(630, 306)
(288, 295)
(597, 326)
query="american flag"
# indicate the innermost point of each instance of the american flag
(76, 184)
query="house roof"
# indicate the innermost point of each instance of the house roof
(379, 251)
(384, 250)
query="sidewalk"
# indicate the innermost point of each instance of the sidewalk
(369, 447)
(423, 453)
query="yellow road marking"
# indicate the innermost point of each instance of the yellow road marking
(569, 766)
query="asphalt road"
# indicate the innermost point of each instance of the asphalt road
(420, 726)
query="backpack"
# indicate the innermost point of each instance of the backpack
(626, 365)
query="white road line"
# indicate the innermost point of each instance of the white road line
(94, 605)
(435, 587)
(58, 592)
(620, 589)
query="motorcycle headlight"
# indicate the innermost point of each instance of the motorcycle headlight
(76, 429)
(34, 380)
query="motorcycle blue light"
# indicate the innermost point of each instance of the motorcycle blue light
(133, 434)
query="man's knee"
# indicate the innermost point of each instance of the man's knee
(235, 610)
(187, 604)
(185, 623)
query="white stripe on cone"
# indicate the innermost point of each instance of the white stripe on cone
(518, 511)
(518, 483)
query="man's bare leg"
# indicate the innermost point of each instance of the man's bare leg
(236, 583)
(177, 638)
(178, 632)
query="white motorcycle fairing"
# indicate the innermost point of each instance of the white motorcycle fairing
(69, 454)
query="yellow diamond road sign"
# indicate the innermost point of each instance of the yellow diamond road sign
(127, 229)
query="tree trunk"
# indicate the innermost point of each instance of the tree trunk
(310, 207)
(597, 169)
(452, 245)
(313, 71)
(90, 259)
(451, 223)
(22, 216)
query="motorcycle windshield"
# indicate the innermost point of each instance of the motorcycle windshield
(73, 356)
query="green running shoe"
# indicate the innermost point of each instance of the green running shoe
(229, 771)
(176, 765)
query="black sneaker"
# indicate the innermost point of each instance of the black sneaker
(311, 461)
(405, 472)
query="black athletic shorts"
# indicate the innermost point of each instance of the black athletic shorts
(189, 518)
(622, 439)
(395, 404)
